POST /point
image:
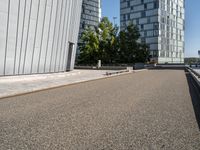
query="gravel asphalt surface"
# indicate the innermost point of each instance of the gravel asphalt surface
(150, 110)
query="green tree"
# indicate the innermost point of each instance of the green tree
(99, 44)
(108, 44)
(89, 47)
(142, 54)
(131, 51)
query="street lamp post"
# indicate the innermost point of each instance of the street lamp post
(114, 18)
(199, 56)
(199, 53)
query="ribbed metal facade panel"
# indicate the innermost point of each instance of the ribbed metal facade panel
(36, 35)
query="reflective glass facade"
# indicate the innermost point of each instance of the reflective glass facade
(36, 35)
(161, 25)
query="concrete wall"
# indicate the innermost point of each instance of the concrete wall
(35, 35)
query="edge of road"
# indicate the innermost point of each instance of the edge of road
(69, 84)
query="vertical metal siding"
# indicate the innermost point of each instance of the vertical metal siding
(35, 35)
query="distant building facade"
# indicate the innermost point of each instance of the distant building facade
(38, 36)
(161, 25)
(90, 16)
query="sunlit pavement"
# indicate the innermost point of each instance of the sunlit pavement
(155, 109)
(15, 85)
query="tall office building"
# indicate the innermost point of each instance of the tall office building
(161, 25)
(38, 36)
(90, 17)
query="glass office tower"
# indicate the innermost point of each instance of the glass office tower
(161, 25)
(90, 16)
(38, 36)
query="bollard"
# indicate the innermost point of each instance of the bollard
(99, 64)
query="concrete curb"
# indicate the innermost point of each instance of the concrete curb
(59, 86)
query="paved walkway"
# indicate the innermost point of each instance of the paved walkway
(15, 85)
(151, 110)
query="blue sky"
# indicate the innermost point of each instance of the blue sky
(110, 8)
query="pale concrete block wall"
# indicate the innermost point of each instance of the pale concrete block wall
(35, 35)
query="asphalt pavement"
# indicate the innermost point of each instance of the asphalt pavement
(150, 110)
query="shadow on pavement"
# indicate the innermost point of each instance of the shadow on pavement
(195, 95)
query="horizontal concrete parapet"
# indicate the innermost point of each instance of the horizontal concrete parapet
(195, 75)
(102, 67)
(171, 65)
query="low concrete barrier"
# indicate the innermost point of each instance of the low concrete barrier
(102, 67)
(195, 75)
(116, 72)
(138, 66)
(194, 72)
(171, 65)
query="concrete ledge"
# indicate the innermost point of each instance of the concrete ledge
(102, 68)
(195, 77)
(117, 72)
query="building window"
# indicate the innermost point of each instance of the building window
(142, 26)
(132, 7)
(156, 4)
(83, 25)
(143, 14)
(128, 16)
(145, 6)
(124, 17)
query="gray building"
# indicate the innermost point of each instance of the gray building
(90, 16)
(161, 25)
(38, 36)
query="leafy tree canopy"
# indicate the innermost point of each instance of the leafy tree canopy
(107, 44)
